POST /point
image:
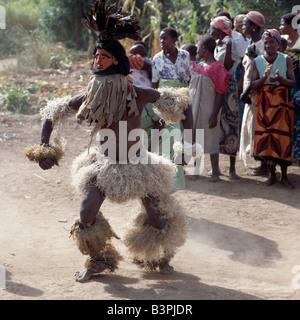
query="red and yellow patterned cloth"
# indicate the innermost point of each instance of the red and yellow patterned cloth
(136, 61)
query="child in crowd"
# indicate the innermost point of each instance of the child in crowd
(141, 68)
(141, 76)
(283, 45)
(192, 49)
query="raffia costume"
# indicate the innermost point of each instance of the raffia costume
(107, 100)
(143, 176)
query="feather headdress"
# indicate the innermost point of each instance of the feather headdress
(106, 97)
(110, 22)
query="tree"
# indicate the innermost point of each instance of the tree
(61, 20)
(272, 10)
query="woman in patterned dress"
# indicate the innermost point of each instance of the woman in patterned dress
(293, 50)
(273, 77)
(229, 142)
(171, 68)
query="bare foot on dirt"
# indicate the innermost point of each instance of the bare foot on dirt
(165, 268)
(233, 176)
(287, 184)
(84, 275)
(214, 179)
(271, 180)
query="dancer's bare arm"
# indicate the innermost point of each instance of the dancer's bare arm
(47, 128)
(145, 95)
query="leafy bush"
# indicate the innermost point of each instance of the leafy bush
(16, 99)
(60, 57)
(61, 21)
(21, 21)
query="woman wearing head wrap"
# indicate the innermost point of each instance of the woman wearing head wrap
(229, 140)
(238, 23)
(239, 42)
(293, 50)
(252, 24)
(272, 78)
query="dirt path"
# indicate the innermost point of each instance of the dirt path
(243, 239)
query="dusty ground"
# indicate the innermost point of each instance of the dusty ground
(243, 239)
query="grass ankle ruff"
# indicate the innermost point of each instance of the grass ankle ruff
(108, 259)
(152, 265)
(95, 239)
(37, 153)
(151, 246)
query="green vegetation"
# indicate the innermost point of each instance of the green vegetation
(16, 98)
(35, 24)
(49, 34)
(60, 21)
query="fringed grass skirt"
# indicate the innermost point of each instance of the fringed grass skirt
(123, 182)
(150, 247)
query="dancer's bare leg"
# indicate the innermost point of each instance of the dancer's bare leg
(90, 206)
(155, 218)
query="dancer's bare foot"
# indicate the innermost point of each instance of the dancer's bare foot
(165, 268)
(84, 275)
(285, 182)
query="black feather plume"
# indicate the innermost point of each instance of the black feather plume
(110, 22)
